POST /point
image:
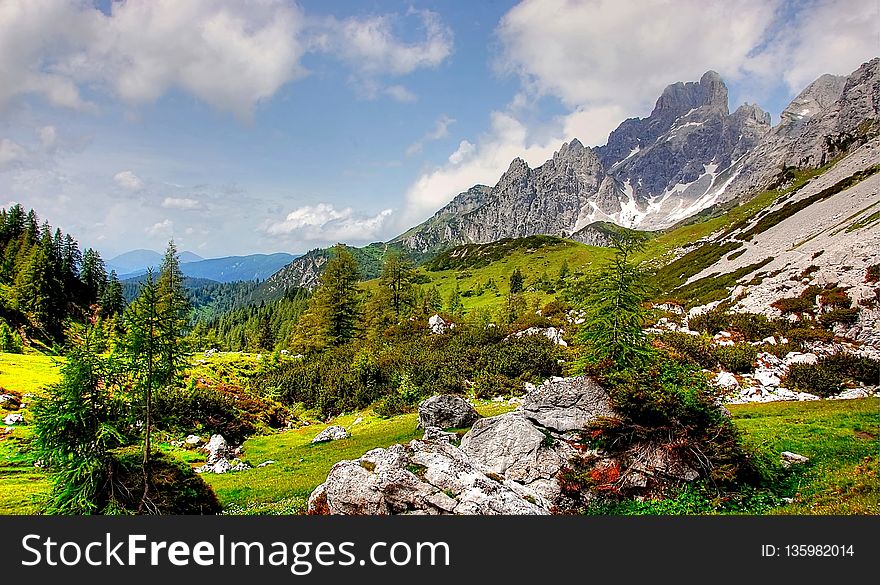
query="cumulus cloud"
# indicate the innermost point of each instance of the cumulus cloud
(128, 180)
(226, 53)
(440, 130)
(324, 223)
(185, 203)
(12, 154)
(373, 50)
(161, 228)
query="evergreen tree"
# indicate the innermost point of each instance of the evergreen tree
(38, 292)
(93, 275)
(336, 304)
(10, 342)
(455, 306)
(74, 429)
(396, 282)
(615, 314)
(112, 301)
(516, 281)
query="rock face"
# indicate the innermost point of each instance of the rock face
(331, 433)
(423, 477)
(568, 404)
(446, 411)
(506, 464)
(216, 448)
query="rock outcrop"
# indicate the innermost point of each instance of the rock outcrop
(506, 464)
(331, 433)
(446, 411)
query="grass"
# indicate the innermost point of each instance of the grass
(841, 439)
(28, 373)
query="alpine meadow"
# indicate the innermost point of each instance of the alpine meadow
(514, 258)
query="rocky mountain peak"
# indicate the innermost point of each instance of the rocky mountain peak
(569, 150)
(680, 98)
(814, 99)
(752, 113)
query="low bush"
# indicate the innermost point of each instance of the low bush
(694, 349)
(833, 373)
(807, 333)
(739, 358)
(173, 487)
(710, 322)
(490, 385)
(751, 326)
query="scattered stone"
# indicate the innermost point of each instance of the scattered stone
(766, 377)
(853, 393)
(446, 411)
(13, 418)
(10, 401)
(193, 440)
(266, 463)
(357, 421)
(789, 459)
(437, 324)
(331, 433)
(211, 352)
(240, 466)
(217, 448)
(438, 434)
(551, 333)
(726, 381)
(219, 466)
(796, 357)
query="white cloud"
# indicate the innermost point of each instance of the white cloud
(470, 164)
(161, 228)
(370, 47)
(324, 223)
(623, 53)
(229, 54)
(12, 154)
(185, 203)
(400, 94)
(441, 130)
(48, 138)
(128, 180)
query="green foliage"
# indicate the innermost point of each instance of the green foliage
(174, 487)
(615, 312)
(480, 255)
(847, 316)
(10, 341)
(738, 358)
(831, 374)
(490, 384)
(335, 308)
(76, 429)
(516, 281)
(695, 349)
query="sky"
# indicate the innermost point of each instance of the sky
(265, 126)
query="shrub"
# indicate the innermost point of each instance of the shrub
(872, 274)
(490, 385)
(831, 373)
(835, 297)
(739, 358)
(710, 322)
(690, 348)
(805, 333)
(10, 341)
(174, 488)
(751, 326)
(846, 316)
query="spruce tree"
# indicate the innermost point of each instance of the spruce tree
(336, 304)
(612, 333)
(516, 281)
(93, 274)
(113, 301)
(396, 282)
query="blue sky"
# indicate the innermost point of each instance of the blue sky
(279, 126)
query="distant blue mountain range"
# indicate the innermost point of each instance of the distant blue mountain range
(229, 269)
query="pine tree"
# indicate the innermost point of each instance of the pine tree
(112, 301)
(74, 429)
(93, 275)
(516, 281)
(396, 282)
(38, 292)
(174, 311)
(455, 306)
(336, 304)
(10, 342)
(613, 332)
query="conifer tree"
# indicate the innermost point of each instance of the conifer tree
(396, 282)
(615, 315)
(516, 281)
(113, 301)
(336, 304)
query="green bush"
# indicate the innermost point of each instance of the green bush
(751, 326)
(695, 349)
(710, 322)
(847, 316)
(806, 333)
(174, 488)
(490, 385)
(739, 358)
(833, 373)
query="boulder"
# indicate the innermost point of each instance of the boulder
(10, 401)
(551, 333)
(437, 324)
(331, 433)
(221, 465)
(13, 418)
(446, 411)
(788, 459)
(193, 440)
(567, 404)
(423, 477)
(796, 357)
(726, 381)
(510, 445)
(216, 448)
(438, 434)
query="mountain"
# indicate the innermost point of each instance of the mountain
(140, 260)
(227, 269)
(689, 156)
